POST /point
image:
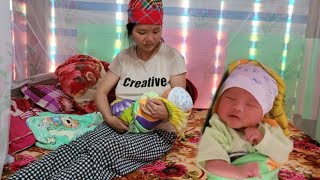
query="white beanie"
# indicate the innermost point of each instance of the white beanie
(256, 81)
(180, 98)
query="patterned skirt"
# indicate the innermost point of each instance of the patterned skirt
(100, 154)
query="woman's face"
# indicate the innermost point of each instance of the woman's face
(147, 36)
(239, 109)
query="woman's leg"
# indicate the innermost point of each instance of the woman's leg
(61, 158)
(137, 150)
(118, 154)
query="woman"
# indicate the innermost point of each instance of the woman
(149, 65)
(108, 151)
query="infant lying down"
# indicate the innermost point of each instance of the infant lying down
(240, 142)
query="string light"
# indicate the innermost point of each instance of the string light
(53, 43)
(218, 48)
(119, 19)
(254, 30)
(287, 37)
(184, 31)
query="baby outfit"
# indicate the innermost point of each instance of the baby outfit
(220, 142)
(179, 103)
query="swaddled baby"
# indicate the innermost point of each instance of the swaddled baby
(139, 118)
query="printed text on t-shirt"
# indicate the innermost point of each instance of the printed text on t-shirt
(150, 82)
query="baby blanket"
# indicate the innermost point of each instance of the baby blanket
(53, 130)
(268, 168)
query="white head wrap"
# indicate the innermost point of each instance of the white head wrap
(180, 98)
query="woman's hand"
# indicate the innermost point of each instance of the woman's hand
(116, 124)
(157, 109)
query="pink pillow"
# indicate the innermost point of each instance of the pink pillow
(50, 97)
(20, 136)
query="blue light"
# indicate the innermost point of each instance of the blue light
(53, 45)
(287, 37)
(254, 30)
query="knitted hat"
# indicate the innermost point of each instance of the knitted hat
(256, 81)
(145, 12)
(180, 98)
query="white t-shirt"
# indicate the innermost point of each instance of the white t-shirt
(138, 76)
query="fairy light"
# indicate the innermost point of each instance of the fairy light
(184, 31)
(218, 49)
(119, 19)
(53, 43)
(24, 8)
(254, 30)
(287, 38)
(285, 48)
(119, 1)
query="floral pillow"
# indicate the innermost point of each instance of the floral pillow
(50, 97)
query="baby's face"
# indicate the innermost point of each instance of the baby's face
(239, 109)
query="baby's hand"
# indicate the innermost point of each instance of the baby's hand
(253, 135)
(249, 170)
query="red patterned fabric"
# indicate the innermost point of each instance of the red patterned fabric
(20, 136)
(192, 90)
(145, 12)
(21, 160)
(20, 106)
(24, 108)
(78, 74)
(78, 77)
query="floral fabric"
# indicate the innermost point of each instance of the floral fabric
(179, 163)
(78, 77)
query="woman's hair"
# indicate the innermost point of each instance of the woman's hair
(130, 27)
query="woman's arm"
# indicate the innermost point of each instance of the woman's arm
(102, 103)
(157, 108)
(179, 80)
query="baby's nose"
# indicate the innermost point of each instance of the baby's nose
(238, 108)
